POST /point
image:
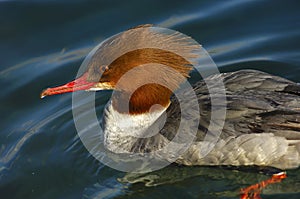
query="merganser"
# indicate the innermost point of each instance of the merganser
(262, 125)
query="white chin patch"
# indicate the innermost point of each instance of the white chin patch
(95, 89)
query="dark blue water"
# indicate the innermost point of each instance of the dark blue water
(42, 44)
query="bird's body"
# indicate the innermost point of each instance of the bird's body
(262, 123)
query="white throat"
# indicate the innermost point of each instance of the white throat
(122, 130)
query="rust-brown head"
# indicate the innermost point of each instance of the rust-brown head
(163, 65)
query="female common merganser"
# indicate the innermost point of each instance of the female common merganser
(262, 125)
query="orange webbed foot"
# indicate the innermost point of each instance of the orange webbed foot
(253, 191)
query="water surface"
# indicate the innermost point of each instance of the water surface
(42, 43)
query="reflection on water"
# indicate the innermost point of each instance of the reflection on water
(43, 44)
(213, 179)
(206, 182)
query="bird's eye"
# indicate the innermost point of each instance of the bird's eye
(103, 69)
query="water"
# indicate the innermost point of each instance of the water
(42, 43)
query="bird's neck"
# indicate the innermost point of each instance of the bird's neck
(123, 130)
(144, 100)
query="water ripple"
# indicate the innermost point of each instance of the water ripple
(39, 66)
(6, 160)
(203, 13)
